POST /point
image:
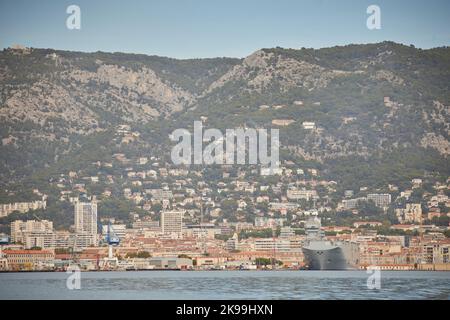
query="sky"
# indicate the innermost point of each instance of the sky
(213, 28)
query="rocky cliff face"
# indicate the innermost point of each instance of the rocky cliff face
(262, 70)
(364, 100)
(80, 97)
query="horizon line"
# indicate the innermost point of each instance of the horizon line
(227, 57)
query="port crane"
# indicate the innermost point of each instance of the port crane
(112, 240)
(111, 237)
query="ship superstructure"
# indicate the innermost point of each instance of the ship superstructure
(322, 254)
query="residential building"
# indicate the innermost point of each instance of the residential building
(412, 213)
(436, 252)
(22, 207)
(172, 222)
(295, 194)
(86, 221)
(381, 200)
(33, 233)
(308, 125)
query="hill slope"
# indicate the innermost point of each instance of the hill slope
(381, 111)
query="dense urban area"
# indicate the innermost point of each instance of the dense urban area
(147, 215)
(86, 177)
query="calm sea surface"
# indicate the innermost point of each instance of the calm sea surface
(203, 285)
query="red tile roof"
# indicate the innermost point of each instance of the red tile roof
(26, 252)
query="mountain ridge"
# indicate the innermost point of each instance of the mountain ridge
(365, 100)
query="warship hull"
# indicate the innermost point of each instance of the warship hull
(329, 257)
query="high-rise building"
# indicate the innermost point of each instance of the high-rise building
(172, 222)
(86, 220)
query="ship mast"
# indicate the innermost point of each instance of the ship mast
(201, 230)
(274, 231)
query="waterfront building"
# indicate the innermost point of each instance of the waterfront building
(170, 263)
(436, 252)
(3, 264)
(29, 259)
(3, 261)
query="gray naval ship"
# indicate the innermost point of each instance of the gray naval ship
(321, 254)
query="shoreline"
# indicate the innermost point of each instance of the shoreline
(211, 270)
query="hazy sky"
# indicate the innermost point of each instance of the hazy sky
(210, 28)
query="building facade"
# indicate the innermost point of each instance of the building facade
(172, 222)
(86, 221)
(33, 233)
(29, 259)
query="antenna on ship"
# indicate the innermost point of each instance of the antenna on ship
(274, 248)
(201, 229)
(421, 250)
(74, 249)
